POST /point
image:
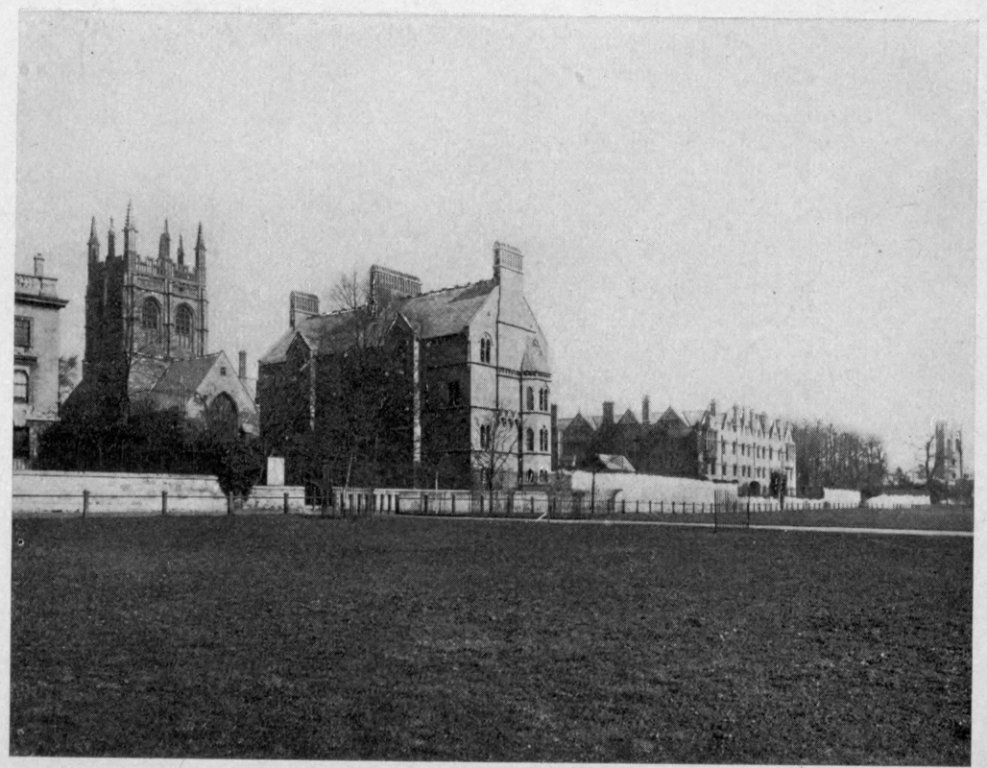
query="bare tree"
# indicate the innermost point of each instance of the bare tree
(496, 438)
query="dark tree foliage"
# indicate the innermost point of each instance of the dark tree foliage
(830, 458)
(152, 440)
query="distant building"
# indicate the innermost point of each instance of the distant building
(36, 351)
(468, 375)
(738, 446)
(147, 333)
(947, 464)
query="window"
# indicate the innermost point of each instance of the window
(22, 331)
(22, 387)
(183, 325)
(543, 439)
(531, 399)
(455, 395)
(529, 439)
(530, 476)
(150, 314)
(484, 435)
(485, 344)
(734, 448)
(543, 476)
(543, 399)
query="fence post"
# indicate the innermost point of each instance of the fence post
(661, 507)
(716, 521)
(649, 506)
(286, 503)
(85, 502)
(164, 502)
(229, 503)
(673, 507)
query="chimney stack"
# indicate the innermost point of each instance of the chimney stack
(712, 407)
(646, 410)
(39, 265)
(608, 412)
(243, 364)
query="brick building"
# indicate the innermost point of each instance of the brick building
(147, 333)
(461, 380)
(36, 351)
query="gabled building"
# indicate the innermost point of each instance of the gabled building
(147, 333)
(462, 377)
(739, 446)
(36, 351)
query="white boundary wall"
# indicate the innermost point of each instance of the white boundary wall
(633, 488)
(841, 496)
(129, 493)
(892, 501)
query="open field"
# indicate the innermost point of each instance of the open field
(423, 639)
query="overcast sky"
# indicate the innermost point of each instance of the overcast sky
(776, 213)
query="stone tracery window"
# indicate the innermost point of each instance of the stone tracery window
(184, 325)
(150, 314)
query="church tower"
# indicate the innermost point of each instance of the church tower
(148, 307)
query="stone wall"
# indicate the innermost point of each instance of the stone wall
(127, 493)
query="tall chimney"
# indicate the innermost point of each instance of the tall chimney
(39, 265)
(608, 412)
(243, 364)
(646, 410)
(712, 407)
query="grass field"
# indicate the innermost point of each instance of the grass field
(478, 640)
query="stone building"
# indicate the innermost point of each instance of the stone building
(36, 351)
(460, 376)
(147, 333)
(739, 446)
(947, 456)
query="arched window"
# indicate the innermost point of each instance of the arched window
(150, 314)
(543, 439)
(22, 387)
(529, 439)
(485, 344)
(184, 325)
(530, 476)
(543, 476)
(531, 398)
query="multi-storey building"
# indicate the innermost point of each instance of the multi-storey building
(738, 446)
(147, 333)
(36, 351)
(463, 372)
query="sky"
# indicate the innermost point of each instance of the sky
(775, 213)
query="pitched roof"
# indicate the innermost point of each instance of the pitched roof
(446, 311)
(183, 377)
(614, 463)
(533, 359)
(628, 418)
(437, 313)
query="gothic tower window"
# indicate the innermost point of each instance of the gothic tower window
(543, 439)
(531, 399)
(485, 344)
(150, 314)
(184, 322)
(529, 439)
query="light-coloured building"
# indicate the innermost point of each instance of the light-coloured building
(746, 446)
(738, 446)
(473, 404)
(36, 352)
